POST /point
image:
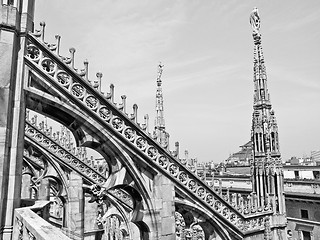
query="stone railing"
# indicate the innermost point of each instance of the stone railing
(74, 85)
(29, 223)
(63, 155)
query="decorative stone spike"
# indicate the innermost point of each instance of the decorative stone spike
(81, 72)
(86, 69)
(176, 152)
(52, 46)
(135, 113)
(186, 155)
(98, 81)
(37, 33)
(58, 38)
(43, 26)
(72, 51)
(145, 126)
(122, 106)
(110, 96)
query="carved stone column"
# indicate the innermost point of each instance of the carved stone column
(164, 204)
(15, 21)
(75, 207)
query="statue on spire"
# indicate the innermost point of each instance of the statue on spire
(266, 165)
(255, 20)
(160, 133)
(160, 69)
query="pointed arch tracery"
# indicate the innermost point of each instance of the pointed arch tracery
(194, 223)
(45, 180)
(110, 148)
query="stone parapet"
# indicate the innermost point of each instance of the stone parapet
(29, 225)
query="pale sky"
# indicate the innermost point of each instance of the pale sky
(207, 50)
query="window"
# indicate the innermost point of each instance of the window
(304, 214)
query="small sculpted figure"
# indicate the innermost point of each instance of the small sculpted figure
(255, 20)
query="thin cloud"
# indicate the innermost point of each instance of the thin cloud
(304, 20)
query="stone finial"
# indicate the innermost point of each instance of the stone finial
(72, 51)
(122, 106)
(98, 81)
(186, 154)
(110, 95)
(86, 70)
(146, 123)
(255, 20)
(135, 113)
(176, 152)
(58, 39)
(43, 26)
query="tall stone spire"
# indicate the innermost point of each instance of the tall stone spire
(159, 132)
(159, 123)
(266, 166)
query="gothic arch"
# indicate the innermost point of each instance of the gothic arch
(83, 126)
(192, 214)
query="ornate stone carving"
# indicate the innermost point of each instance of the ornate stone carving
(122, 196)
(20, 229)
(255, 20)
(180, 226)
(80, 92)
(62, 154)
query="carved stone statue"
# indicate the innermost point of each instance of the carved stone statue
(255, 20)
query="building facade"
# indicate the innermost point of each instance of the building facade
(137, 188)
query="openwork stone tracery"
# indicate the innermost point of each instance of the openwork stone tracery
(194, 231)
(53, 82)
(75, 84)
(44, 138)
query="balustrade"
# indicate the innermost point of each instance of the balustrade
(80, 163)
(30, 224)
